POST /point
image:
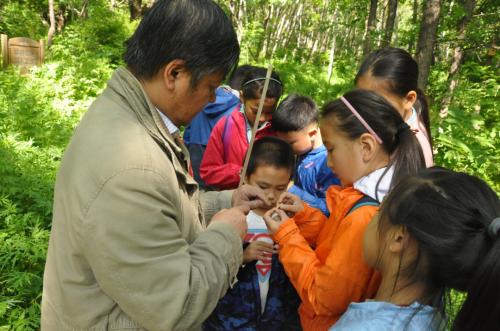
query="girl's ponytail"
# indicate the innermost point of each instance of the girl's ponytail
(423, 112)
(481, 309)
(407, 157)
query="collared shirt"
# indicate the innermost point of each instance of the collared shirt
(168, 123)
(249, 126)
(384, 316)
(374, 185)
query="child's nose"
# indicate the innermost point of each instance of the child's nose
(271, 196)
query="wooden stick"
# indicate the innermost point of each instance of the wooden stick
(256, 124)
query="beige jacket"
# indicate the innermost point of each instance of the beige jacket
(128, 248)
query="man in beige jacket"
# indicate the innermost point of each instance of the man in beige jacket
(130, 248)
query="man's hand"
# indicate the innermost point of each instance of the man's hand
(250, 196)
(258, 250)
(290, 203)
(236, 217)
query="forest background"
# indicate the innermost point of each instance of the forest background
(316, 45)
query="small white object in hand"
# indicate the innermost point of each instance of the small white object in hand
(275, 216)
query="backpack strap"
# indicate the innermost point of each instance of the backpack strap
(365, 200)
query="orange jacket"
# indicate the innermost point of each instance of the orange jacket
(324, 258)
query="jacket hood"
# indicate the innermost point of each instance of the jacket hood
(224, 99)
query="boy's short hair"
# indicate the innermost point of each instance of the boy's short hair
(295, 113)
(271, 151)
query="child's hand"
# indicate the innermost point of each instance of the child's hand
(290, 203)
(273, 218)
(258, 250)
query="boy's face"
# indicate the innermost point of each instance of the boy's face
(273, 181)
(301, 141)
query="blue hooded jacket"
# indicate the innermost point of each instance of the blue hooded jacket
(198, 131)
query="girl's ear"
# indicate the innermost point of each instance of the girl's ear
(369, 146)
(398, 239)
(409, 100)
(242, 97)
(171, 72)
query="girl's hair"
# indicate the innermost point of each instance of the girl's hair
(397, 138)
(449, 215)
(253, 83)
(238, 75)
(271, 151)
(400, 71)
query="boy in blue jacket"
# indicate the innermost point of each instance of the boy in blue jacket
(296, 121)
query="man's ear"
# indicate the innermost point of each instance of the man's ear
(409, 100)
(171, 72)
(368, 146)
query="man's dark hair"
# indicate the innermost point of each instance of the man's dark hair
(271, 151)
(294, 113)
(196, 31)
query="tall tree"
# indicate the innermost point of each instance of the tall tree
(370, 27)
(458, 54)
(414, 21)
(52, 19)
(392, 8)
(427, 40)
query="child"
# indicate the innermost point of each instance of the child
(263, 298)
(435, 231)
(370, 148)
(228, 143)
(296, 121)
(393, 73)
(198, 131)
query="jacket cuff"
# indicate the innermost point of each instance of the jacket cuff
(231, 247)
(286, 229)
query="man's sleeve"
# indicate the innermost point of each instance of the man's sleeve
(133, 242)
(213, 201)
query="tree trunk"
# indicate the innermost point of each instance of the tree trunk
(83, 13)
(370, 27)
(135, 7)
(332, 48)
(414, 20)
(52, 28)
(427, 40)
(392, 8)
(458, 55)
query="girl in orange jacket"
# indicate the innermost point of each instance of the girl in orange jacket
(370, 148)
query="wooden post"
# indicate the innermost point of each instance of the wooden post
(5, 50)
(42, 52)
(256, 124)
